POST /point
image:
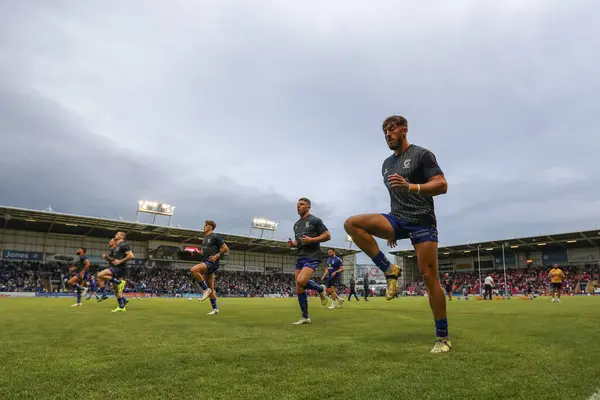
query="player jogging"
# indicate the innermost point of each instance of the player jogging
(108, 257)
(309, 232)
(81, 276)
(213, 248)
(413, 178)
(115, 274)
(448, 283)
(93, 288)
(556, 278)
(332, 273)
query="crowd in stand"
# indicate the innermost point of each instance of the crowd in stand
(227, 283)
(31, 277)
(519, 280)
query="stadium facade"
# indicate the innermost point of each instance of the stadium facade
(575, 248)
(42, 236)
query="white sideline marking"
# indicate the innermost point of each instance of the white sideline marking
(595, 396)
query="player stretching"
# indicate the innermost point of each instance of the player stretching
(448, 283)
(309, 232)
(335, 267)
(115, 274)
(213, 247)
(556, 277)
(412, 177)
(81, 276)
(93, 288)
(108, 257)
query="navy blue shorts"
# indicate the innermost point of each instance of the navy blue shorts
(416, 233)
(211, 267)
(308, 262)
(116, 272)
(332, 282)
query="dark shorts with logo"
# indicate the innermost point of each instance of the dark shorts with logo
(308, 262)
(333, 282)
(211, 267)
(415, 232)
(117, 272)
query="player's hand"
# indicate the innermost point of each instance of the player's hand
(116, 262)
(397, 181)
(292, 243)
(105, 256)
(307, 240)
(81, 274)
(213, 258)
(391, 243)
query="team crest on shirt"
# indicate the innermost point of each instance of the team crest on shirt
(307, 224)
(407, 163)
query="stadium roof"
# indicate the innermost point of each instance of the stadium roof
(53, 222)
(532, 243)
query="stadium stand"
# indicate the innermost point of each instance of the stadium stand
(37, 247)
(526, 261)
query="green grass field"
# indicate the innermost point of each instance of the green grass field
(170, 349)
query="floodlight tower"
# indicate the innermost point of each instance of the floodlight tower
(263, 224)
(349, 239)
(154, 208)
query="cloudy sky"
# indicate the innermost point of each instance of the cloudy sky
(231, 110)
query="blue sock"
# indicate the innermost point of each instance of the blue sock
(203, 285)
(213, 302)
(78, 286)
(115, 281)
(313, 286)
(441, 328)
(381, 261)
(78, 296)
(121, 302)
(303, 301)
(103, 291)
(306, 304)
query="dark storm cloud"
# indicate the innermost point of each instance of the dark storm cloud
(253, 105)
(50, 158)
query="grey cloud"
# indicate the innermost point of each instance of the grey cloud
(50, 158)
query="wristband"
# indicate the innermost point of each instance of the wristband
(418, 188)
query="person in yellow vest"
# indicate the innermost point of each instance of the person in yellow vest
(556, 278)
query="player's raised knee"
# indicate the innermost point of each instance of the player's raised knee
(350, 223)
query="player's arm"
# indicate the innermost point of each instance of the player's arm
(324, 235)
(128, 255)
(223, 248)
(436, 181)
(340, 269)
